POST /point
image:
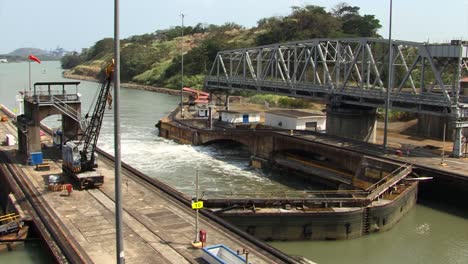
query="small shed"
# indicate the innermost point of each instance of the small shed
(202, 110)
(296, 119)
(239, 116)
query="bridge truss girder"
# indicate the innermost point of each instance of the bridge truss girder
(351, 71)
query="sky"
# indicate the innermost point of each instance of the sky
(74, 25)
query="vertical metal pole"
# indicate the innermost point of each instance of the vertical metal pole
(30, 78)
(118, 180)
(182, 71)
(210, 115)
(390, 73)
(196, 200)
(442, 161)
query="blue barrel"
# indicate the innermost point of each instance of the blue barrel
(36, 158)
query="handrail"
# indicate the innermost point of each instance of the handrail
(69, 111)
(384, 179)
(374, 194)
(9, 217)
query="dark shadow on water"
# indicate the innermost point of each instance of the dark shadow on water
(446, 207)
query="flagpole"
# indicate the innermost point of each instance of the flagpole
(29, 78)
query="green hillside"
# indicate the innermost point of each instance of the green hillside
(154, 58)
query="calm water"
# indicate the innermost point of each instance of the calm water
(425, 235)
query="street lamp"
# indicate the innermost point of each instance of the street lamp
(390, 73)
(117, 148)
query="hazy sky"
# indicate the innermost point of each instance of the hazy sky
(74, 25)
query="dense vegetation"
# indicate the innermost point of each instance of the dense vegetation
(154, 58)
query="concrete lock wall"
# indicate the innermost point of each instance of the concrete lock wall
(353, 122)
(324, 224)
(432, 126)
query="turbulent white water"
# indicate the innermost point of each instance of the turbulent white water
(220, 170)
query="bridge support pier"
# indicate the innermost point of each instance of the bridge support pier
(29, 124)
(431, 126)
(457, 151)
(29, 138)
(355, 122)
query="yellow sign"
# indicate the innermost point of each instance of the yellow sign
(197, 205)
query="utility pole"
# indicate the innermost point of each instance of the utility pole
(390, 73)
(182, 70)
(117, 162)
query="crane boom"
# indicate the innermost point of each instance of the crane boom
(91, 135)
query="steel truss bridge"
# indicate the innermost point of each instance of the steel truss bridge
(353, 71)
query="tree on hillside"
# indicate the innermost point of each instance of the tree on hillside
(199, 59)
(135, 59)
(315, 22)
(100, 49)
(70, 60)
(304, 23)
(354, 24)
(144, 39)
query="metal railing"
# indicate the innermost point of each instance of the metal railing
(320, 198)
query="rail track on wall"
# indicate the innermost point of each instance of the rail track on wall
(44, 216)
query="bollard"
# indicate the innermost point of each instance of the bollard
(69, 189)
(202, 236)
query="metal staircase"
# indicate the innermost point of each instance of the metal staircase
(69, 111)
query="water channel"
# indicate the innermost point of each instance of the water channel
(425, 235)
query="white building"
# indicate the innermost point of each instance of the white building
(239, 117)
(202, 110)
(296, 119)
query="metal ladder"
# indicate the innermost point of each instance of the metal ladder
(367, 220)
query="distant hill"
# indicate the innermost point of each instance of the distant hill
(24, 52)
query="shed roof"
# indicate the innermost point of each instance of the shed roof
(239, 111)
(296, 113)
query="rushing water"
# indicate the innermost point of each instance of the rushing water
(425, 235)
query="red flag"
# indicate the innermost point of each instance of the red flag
(34, 58)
